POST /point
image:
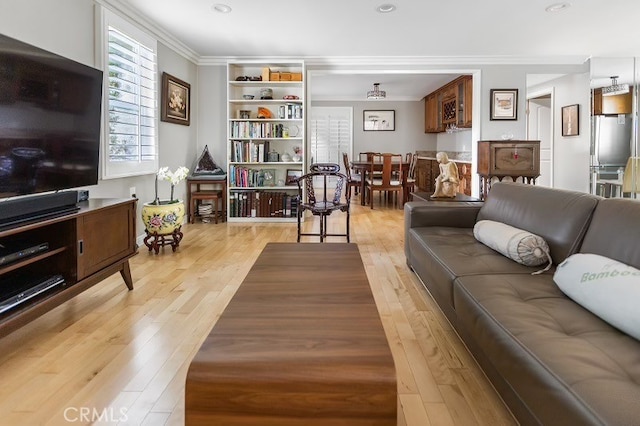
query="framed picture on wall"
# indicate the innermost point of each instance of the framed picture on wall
(176, 98)
(571, 120)
(379, 120)
(504, 104)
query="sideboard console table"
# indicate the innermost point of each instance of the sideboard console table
(513, 158)
(65, 256)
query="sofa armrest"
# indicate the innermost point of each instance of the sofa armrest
(433, 213)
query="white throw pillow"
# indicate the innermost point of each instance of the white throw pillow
(606, 287)
(522, 246)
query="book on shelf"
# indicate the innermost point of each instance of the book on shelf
(271, 204)
(250, 151)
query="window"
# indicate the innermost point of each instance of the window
(130, 142)
(330, 136)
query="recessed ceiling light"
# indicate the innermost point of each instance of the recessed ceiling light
(222, 8)
(386, 8)
(556, 7)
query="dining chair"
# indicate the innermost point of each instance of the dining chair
(367, 156)
(321, 179)
(385, 182)
(410, 180)
(353, 179)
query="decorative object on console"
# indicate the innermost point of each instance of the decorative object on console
(379, 120)
(571, 120)
(176, 100)
(446, 184)
(504, 104)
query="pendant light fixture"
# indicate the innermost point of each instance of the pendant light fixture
(615, 88)
(376, 93)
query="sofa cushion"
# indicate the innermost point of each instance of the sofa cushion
(566, 364)
(560, 217)
(519, 245)
(441, 254)
(614, 231)
(606, 287)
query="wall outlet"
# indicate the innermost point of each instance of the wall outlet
(132, 191)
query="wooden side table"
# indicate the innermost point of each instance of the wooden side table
(196, 192)
(213, 196)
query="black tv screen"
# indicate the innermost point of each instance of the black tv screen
(50, 109)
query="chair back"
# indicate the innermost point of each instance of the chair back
(631, 176)
(323, 176)
(347, 165)
(412, 165)
(367, 156)
(392, 170)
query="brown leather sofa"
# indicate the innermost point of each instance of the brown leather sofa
(552, 361)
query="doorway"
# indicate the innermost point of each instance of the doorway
(540, 127)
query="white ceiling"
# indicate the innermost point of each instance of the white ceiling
(348, 30)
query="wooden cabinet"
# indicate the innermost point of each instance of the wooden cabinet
(82, 248)
(449, 105)
(515, 159)
(430, 113)
(428, 169)
(616, 104)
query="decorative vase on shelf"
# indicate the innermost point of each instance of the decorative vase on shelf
(285, 158)
(297, 158)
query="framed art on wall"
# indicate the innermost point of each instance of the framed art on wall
(176, 99)
(504, 104)
(379, 120)
(571, 120)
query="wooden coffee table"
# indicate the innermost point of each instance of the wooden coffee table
(300, 343)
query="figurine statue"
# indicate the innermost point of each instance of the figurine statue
(448, 180)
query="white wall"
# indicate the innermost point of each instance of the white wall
(409, 133)
(66, 27)
(571, 154)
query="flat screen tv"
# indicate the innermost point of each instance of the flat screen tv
(50, 109)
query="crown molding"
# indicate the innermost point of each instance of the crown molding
(406, 60)
(135, 17)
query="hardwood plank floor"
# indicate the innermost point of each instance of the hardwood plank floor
(110, 356)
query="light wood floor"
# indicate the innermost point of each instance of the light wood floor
(110, 356)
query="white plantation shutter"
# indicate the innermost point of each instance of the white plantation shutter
(331, 134)
(131, 94)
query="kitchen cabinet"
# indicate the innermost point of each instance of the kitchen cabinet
(616, 104)
(449, 106)
(430, 113)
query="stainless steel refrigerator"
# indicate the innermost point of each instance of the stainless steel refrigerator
(611, 147)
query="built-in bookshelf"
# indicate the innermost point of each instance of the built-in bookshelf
(265, 139)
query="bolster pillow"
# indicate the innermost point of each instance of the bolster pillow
(522, 246)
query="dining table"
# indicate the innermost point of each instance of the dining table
(362, 167)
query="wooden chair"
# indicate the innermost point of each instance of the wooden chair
(367, 156)
(386, 181)
(353, 180)
(323, 176)
(410, 180)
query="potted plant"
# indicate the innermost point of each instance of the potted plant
(162, 217)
